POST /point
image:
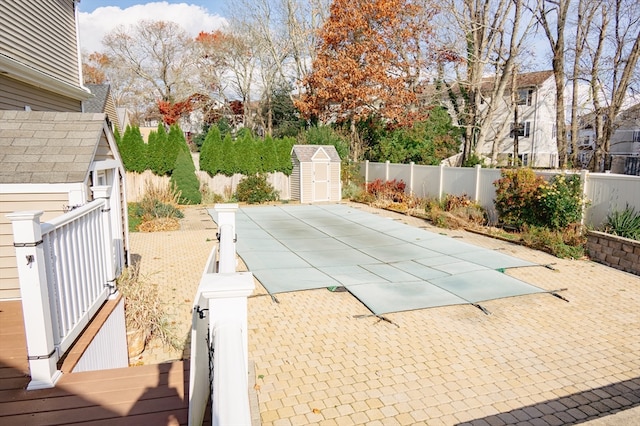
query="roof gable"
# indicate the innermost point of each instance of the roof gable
(523, 80)
(48, 147)
(306, 153)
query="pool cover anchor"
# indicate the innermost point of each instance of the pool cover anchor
(555, 293)
(380, 318)
(482, 308)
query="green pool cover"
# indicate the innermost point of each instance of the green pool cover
(387, 265)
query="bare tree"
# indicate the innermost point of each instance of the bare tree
(552, 16)
(285, 35)
(490, 36)
(586, 12)
(614, 58)
(157, 54)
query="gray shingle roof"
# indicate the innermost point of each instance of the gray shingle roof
(305, 153)
(47, 147)
(99, 101)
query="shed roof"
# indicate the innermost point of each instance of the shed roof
(48, 147)
(305, 153)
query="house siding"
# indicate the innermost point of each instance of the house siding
(16, 95)
(335, 192)
(103, 152)
(306, 182)
(41, 35)
(51, 203)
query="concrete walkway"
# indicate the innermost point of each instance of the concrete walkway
(321, 358)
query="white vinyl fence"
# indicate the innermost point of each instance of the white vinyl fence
(604, 192)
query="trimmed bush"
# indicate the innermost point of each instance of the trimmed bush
(255, 190)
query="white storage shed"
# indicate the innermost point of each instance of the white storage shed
(316, 174)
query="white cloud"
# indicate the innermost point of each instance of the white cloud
(93, 26)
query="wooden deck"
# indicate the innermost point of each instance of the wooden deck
(145, 395)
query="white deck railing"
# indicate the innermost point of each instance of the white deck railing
(219, 347)
(66, 269)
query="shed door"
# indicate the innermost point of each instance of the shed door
(321, 185)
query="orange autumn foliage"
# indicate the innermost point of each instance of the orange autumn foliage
(172, 111)
(368, 62)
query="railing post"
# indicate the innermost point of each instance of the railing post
(228, 309)
(42, 355)
(227, 225)
(102, 192)
(225, 296)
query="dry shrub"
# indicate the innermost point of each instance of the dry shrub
(455, 211)
(142, 307)
(163, 193)
(159, 224)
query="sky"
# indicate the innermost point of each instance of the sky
(97, 17)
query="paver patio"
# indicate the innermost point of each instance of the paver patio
(321, 358)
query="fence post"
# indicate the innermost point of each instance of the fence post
(36, 311)
(366, 171)
(476, 196)
(102, 192)
(411, 164)
(584, 177)
(440, 182)
(386, 170)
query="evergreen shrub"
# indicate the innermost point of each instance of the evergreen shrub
(184, 180)
(255, 190)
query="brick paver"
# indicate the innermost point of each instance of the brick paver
(321, 358)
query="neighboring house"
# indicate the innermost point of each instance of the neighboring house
(48, 162)
(124, 118)
(535, 129)
(39, 59)
(102, 102)
(625, 141)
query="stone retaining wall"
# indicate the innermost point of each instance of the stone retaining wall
(617, 252)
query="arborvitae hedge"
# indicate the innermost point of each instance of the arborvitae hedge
(211, 152)
(185, 180)
(132, 150)
(246, 155)
(156, 152)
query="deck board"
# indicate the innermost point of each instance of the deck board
(149, 394)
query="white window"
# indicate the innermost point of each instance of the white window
(523, 130)
(525, 96)
(584, 141)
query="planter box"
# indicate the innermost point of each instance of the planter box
(617, 252)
